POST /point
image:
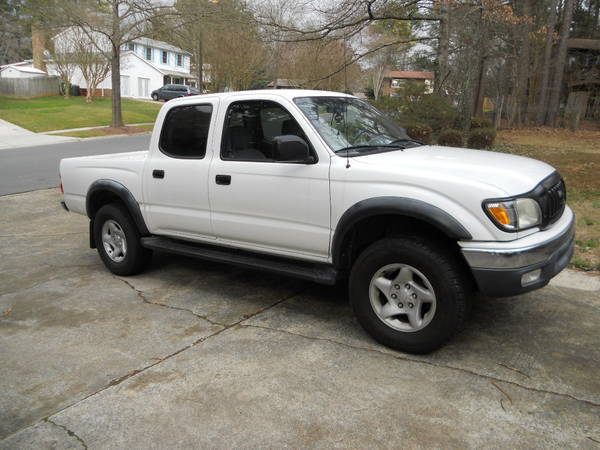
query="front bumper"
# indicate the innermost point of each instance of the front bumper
(499, 272)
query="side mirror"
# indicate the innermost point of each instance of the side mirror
(293, 149)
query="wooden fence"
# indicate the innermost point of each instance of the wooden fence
(29, 87)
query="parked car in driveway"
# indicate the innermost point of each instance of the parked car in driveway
(322, 186)
(171, 91)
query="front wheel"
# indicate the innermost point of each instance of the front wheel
(409, 294)
(155, 97)
(118, 241)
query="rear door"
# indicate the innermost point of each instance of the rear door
(175, 178)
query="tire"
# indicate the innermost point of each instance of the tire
(409, 294)
(155, 97)
(118, 241)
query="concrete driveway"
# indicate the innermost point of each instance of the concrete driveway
(194, 354)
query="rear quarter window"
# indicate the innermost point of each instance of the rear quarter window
(185, 131)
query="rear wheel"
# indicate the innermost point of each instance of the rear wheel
(118, 241)
(409, 294)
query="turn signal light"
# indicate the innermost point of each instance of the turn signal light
(500, 213)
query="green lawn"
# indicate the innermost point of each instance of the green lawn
(56, 113)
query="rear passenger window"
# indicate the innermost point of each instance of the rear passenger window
(185, 131)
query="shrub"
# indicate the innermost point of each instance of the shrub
(480, 122)
(413, 105)
(482, 138)
(451, 138)
(420, 132)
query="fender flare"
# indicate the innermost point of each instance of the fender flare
(123, 194)
(400, 206)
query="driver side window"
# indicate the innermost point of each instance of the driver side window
(250, 129)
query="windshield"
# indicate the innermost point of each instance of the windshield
(349, 124)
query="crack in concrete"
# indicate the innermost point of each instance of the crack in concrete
(69, 432)
(117, 381)
(429, 363)
(150, 302)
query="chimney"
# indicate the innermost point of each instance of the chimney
(38, 45)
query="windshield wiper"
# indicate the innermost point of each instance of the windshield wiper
(398, 141)
(356, 147)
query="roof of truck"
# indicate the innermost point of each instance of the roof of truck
(285, 93)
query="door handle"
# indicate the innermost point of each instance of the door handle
(157, 173)
(223, 179)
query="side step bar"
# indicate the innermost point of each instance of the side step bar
(319, 273)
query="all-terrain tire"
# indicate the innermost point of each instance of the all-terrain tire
(113, 226)
(437, 275)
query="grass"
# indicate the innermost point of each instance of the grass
(576, 155)
(57, 113)
(107, 131)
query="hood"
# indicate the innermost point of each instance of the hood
(509, 173)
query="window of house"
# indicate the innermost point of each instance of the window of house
(185, 131)
(180, 60)
(148, 53)
(164, 57)
(250, 127)
(396, 83)
(131, 46)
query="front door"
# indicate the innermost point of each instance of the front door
(176, 175)
(259, 203)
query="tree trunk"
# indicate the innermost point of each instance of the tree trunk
(524, 63)
(480, 87)
(561, 60)
(443, 42)
(115, 68)
(200, 64)
(543, 97)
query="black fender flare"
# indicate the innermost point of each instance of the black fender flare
(123, 194)
(400, 206)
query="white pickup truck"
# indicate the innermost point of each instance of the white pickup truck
(320, 185)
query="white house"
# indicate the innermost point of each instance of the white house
(146, 64)
(20, 70)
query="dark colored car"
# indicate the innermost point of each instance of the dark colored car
(170, 91)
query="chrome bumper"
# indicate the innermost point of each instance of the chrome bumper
(514, 258)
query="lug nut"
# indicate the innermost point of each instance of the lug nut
(414, 295)
(400, 305)
(407, 286)
(394, 296)
(396, 286)
(410, 305)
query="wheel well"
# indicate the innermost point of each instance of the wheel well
(370, 229)
(100, 198)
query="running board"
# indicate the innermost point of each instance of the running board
(319, 273)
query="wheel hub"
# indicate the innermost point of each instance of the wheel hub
(402, 297)
(114, 241)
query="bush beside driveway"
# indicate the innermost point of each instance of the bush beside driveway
(194, 354)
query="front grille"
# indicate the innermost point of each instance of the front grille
(552, 202)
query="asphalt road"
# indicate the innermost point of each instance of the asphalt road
(31, 168)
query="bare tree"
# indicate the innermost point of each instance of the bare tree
(110, 24)
(65, 64)
(547, 61)
(561, 59)
(94, 65)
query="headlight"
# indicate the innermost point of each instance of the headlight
(514, 215)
